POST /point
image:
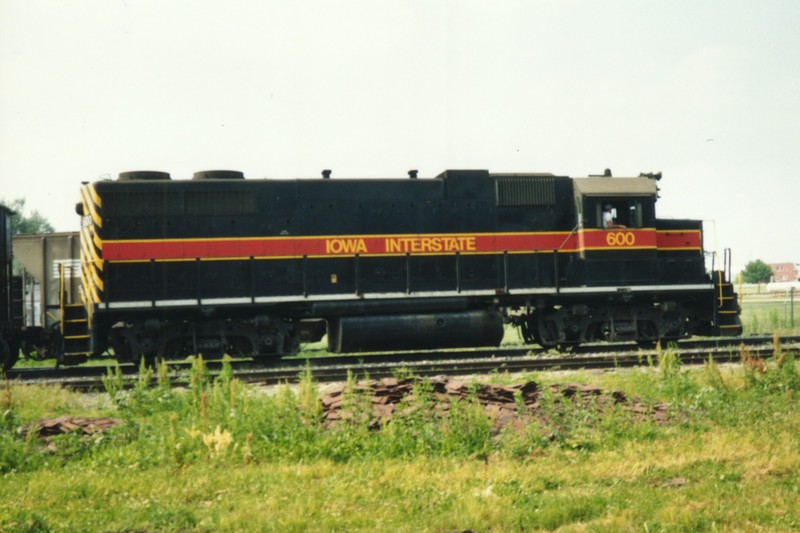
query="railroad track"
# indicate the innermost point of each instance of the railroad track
(451, 362)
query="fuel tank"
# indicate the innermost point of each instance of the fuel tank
(415, 331)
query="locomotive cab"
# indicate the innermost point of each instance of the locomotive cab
(632, 201)
(626, 253)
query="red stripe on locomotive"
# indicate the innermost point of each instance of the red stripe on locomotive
(178, 249)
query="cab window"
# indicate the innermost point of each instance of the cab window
(625, 212)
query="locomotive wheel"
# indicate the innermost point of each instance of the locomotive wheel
(647, 337)
(548, 335)
(528, 332)
(34, 353)
(8, 356)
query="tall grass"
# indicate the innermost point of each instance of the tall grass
(217, 454)
(222, 421)
(759, 318)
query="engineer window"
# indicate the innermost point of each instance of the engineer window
(627, 213)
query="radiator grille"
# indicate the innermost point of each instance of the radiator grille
(525, 191)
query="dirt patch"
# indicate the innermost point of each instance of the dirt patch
(503, 404)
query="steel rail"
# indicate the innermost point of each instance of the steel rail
(458, 362)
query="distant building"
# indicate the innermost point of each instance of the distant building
(785, 271)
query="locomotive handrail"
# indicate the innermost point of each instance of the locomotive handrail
(357, 275)
(408, 273)
(458, 272)
(305, 276)
(728, 260)
(555, 271)
(555, 256)
(61, 295)
(154, 277)
(252, 280)
(578, 225)
(713, 262)
(505, 271)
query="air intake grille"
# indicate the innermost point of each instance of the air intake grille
(220, 203)
(196, 203)
(525, 191)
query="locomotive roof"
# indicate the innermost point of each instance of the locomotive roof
(615, 187)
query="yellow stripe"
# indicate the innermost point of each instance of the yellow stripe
(96, 197)
(92, 210)
(346, 256)
(87, 248)
(85, 282)
(365, 236)
(610, 248)
(98, 281)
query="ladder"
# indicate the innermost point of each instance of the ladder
(726, 303)
(74, 328)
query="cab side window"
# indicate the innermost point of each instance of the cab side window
(625, 212)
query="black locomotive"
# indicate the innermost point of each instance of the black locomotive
(221, 264)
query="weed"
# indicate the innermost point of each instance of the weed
(675, 383)
(402, 373)
(669, 364)
(566, 423)
(308, 397)
(28, 521)
(754, 327)
(114, 383)
(217, 442)
(7, 407)
(752, 365)
(713, 377)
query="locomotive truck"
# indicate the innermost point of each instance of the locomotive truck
(219, 264)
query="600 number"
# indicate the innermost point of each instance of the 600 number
(621, 238)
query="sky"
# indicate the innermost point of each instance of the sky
(707, 92)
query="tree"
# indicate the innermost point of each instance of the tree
(757, 272)
(34, 223)
(21, 224)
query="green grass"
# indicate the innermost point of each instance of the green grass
(222, 456)
(766, 317)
